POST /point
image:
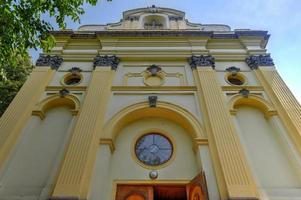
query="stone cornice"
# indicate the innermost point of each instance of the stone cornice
(155, 88)
(169, 33)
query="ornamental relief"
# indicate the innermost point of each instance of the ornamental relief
(154, 76)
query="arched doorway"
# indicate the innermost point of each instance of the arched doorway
(123, 168)
(156, 135)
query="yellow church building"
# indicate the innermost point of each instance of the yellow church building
(153, 107)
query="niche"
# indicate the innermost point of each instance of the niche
(32, 169)
(268, 155)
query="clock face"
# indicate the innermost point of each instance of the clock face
(153, 149)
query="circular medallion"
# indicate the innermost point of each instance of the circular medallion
(153, 149)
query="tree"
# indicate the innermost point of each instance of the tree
(22, 27)
(13, 80)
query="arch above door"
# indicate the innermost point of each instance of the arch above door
(165, 110)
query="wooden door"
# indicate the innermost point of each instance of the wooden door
(134, 192)
(197, 188)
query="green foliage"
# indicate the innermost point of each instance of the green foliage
(22, 25)
(13, 80)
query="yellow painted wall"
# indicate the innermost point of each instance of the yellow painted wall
(275, 166)
(177, 73)
(121, 100)
(31, 170)
(125, 167)
(108, 102)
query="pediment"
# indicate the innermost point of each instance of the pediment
(155, 18)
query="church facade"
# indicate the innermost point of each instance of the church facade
(153, 107)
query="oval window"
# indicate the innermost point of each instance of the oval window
(236, 80)
(72, 79)
(153, 149)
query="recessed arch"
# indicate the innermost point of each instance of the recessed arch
(164, 18)
(165, 110)
(70, 101)
(253, 101)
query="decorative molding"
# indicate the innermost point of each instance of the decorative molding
(167, 110)
(108, 141)
(132, 18)
(244, 92)
(64, 92)
(254, 61)
(70, 88)
(152, 100)
(175, 18)
(233, 70)
(155, 88)
(48, 60)
(134, 33)
(201, 141)
(153, 9)
(253, 100)
(154, 69)
(102, 61)
(161, 74)
(237, 88)
(69, 100)
(75, 70)
(201, 61)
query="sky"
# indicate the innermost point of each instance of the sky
(281, 18)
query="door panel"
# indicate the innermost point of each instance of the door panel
(170, 192)
(134, 192)
(135, 197)
(197, 188)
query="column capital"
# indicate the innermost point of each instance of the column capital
(201, 61)
(102, 61)
(52, 61)
(254, 61)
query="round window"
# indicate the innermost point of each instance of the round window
(153, 149)
(236, 80)
(72, 79)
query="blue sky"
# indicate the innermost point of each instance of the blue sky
(282, 18)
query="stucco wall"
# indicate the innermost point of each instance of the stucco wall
(176, 73)
(30, 172)
(271, 158)
(125, 167)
